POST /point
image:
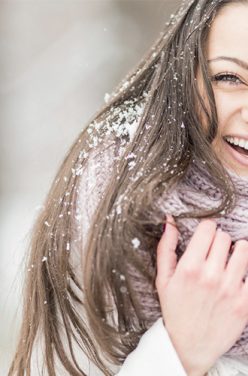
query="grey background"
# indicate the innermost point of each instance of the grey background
(58, 59)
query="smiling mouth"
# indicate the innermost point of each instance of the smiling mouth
(238, 148)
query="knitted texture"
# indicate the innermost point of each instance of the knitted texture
(195, 191)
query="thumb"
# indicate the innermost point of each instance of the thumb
(166, 255)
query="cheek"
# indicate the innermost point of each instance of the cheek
(224, 106)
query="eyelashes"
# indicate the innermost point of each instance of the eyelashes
(227, 78)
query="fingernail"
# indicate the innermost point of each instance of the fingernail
(170, 219)
(212, 220)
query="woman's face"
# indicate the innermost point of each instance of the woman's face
(227, 51)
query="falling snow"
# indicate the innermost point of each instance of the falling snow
(77, 171)
(118, 210)
(107, 97)
(83, 154)
(136, 243)
(131, 165)
(123, 289)
(121, 120)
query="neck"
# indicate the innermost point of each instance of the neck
(240, 182)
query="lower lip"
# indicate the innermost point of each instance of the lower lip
(240, 158)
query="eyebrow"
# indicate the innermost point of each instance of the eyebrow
(239, 62)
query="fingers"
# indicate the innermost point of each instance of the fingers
(206, 246)
(200, 243)
(237, 265)
(217, 257)
(166, 255)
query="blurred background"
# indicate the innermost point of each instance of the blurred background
(58, 59)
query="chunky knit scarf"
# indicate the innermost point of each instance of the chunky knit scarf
(197, 192)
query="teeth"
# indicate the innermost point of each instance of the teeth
(242, 143)
(238, 141)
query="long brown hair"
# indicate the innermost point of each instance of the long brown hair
(99, 310)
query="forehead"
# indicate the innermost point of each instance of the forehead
(228, 34)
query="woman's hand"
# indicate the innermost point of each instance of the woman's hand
(203, 298)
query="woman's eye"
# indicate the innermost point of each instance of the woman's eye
(227, 77)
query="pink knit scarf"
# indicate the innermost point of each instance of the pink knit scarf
(197, 192)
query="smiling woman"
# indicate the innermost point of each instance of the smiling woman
(227, 51)
(142, 242)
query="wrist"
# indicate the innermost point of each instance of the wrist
(194, 368)
(195, 371)
(191, 365)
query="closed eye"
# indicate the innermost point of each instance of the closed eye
(228, 78)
